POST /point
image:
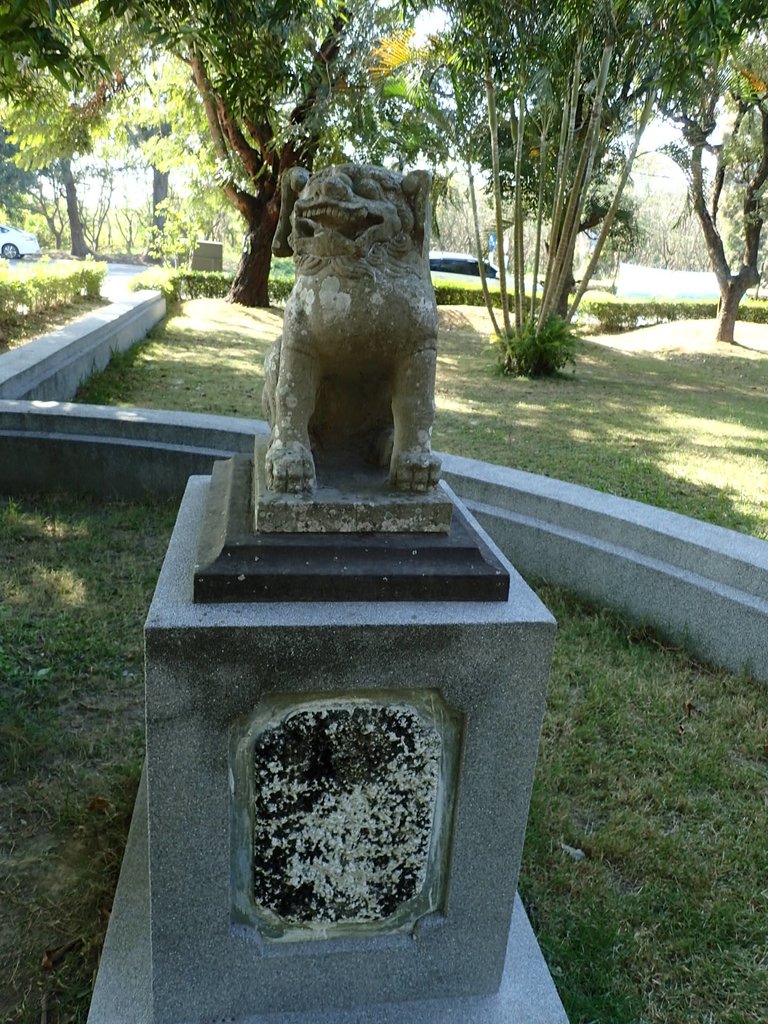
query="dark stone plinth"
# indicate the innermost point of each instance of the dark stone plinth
(236, 564)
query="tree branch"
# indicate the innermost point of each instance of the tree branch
(325, 55)
(251, 158)
(237, 196)
(709, 228)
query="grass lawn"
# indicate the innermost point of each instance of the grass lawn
(75, 584)
(678, 425)
(646, 857)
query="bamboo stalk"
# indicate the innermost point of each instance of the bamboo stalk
(611, 215)
(539, 218)
(493, 127)
(567, 137)
(519, 260)
(479, 250)
(582, 178)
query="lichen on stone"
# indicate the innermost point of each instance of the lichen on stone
(343, 806)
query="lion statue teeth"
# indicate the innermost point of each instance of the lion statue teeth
(352, 377)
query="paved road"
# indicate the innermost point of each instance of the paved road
(116, 282)
(118, 278)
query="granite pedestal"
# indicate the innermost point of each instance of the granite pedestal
(426, 931)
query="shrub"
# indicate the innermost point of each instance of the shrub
(532, 353)
(449, 293)
(614, 314)
(280, 288)
(179, 285)
(42, 286)
(754, 311)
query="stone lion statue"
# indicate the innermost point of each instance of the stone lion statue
(352, 377)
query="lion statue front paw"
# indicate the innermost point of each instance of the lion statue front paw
(290, 468)
(415, 471)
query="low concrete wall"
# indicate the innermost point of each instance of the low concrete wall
(113, 452)
(55, 365)
(696, 583)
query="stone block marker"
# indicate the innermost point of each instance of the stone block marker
(400, 907)
(208, 255)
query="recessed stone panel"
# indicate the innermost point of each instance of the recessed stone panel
(343, 805)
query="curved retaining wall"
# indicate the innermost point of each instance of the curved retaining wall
(698, 584)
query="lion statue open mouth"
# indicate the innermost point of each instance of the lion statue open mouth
(352, 377)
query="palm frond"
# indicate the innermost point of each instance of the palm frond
(392, 53)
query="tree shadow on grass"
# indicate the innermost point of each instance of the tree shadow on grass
(626, 424)
(75, 580)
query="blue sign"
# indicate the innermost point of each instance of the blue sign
(491, 241)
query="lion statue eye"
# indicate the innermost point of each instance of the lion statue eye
(368, 189)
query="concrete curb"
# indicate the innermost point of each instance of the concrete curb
(54, 366)
(698, 584)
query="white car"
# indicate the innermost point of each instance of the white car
(15, 244)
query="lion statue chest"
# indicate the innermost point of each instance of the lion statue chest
(356, 320)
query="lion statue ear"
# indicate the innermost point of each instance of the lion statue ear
(417, 187)
(293, 181)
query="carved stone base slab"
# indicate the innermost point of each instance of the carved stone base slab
(122, 994)
(347, 502)
(236, 564)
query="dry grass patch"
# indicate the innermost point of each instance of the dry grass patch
(207, 357)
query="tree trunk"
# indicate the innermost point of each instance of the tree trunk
(57, 232)
(79, 247)
(564, 298)
(729, 303)
(490, 94)
(160, 181)
(251, 284)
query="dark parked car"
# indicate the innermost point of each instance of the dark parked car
(459, 263)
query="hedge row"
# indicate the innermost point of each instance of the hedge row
(179, 285)
(42, 287)
(612, 314)
(449, 293)
(615, 314)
